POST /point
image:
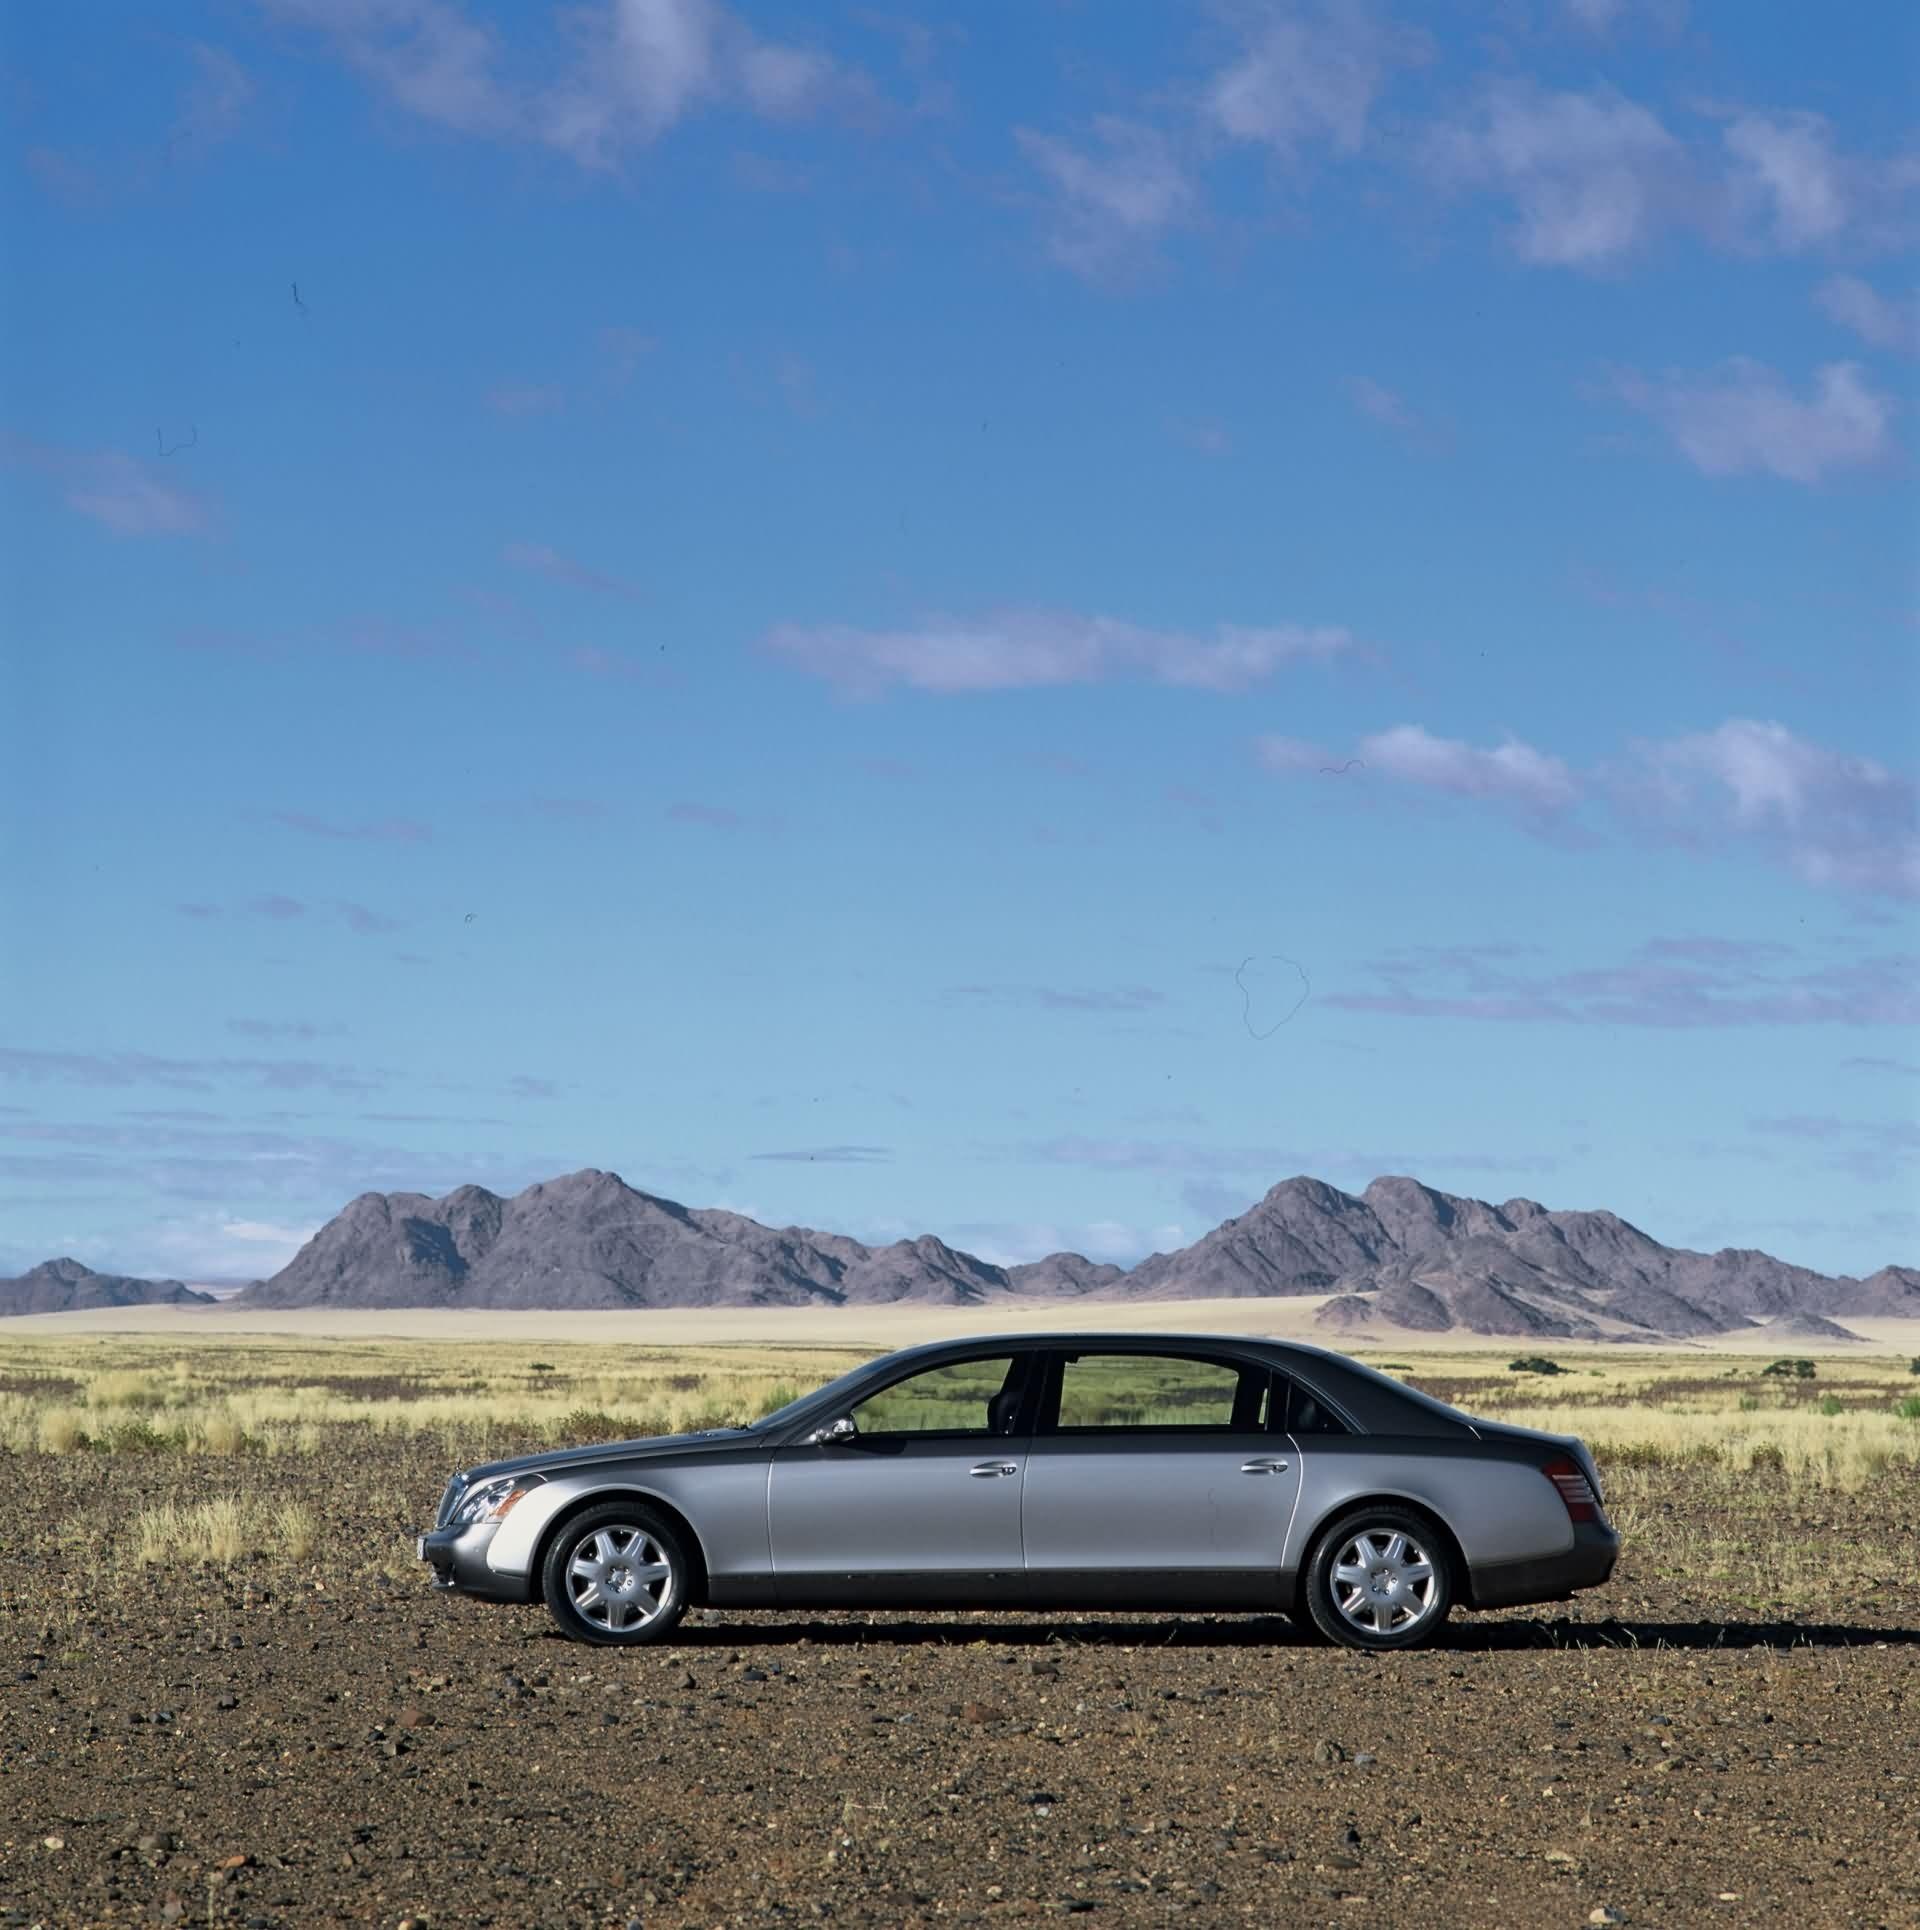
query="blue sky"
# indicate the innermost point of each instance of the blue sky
(1013, 621)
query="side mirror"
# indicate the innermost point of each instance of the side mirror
(841, 1429)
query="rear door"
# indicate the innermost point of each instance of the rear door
(1157, 1478)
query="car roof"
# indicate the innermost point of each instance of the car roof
(1127, 1337)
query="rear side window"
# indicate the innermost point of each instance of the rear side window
(1134, 1390)
(1305, 1412)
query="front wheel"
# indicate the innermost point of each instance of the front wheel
(616, 1575)
(1379, 1579)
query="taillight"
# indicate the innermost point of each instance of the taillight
(1576, 1490)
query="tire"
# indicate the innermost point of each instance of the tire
(1379, 1579)
(616, 1576)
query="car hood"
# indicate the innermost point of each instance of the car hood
(649, 1447)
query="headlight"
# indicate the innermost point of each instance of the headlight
(491, 1500)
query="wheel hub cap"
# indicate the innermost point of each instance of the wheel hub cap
(1384, 1582)
(619, 1578)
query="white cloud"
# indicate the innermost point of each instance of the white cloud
(1112, 196)
(636, 68)
(424, 55)
(1308, 76)
(1839, 821)
(1857, 305)
(129, 497)
(217, 100)
(217, 1247)
(1589, 175)
(1512, 773)
(1787, 165)
(1037, 649)
(1743, 419)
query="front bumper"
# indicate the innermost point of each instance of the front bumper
(458, 1560)
(1550, 1578)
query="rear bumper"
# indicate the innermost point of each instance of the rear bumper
(1550, 1578)
(457, 1558)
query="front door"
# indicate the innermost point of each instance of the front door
(1155, 1480)
(921, 1506)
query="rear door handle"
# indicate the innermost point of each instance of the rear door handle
(983, 1470)
(1263, 1467)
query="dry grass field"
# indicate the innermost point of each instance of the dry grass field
(229, 1697)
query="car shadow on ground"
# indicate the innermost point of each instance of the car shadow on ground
(1273, 1631)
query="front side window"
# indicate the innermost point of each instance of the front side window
(962, 1397)
(1125, 1390)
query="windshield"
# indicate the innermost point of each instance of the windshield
(822, 1396)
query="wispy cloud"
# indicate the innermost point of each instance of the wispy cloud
(1511, 772)
(833, 1155)
(1588, 176)
(216, 101)
(1593, 178)
(1884, 321)
(526, 399)
(1111, 194)
(32, 1066)
(1209, 438)
(1391, 410)
(379, 831)
(275, 905)
(1834, 819)
(1038, 649)
(280, 1029)
(368, 924)
(544, 560)
(624, 349)
(623, 74)
(1309, 76)
(1057, 998)
(277, 908)
(1837, 821)
(1905, 1068)
(716, 817)
(1647, 989)
(1877, 1151)
(109, 487)
(1743, 419)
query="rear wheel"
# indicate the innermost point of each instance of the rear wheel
(616, 1575)
(1379, 1579)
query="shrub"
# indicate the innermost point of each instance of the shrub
(1789, 1370)
(1766, 1455)
(1908, 1409)
(1913, 1367)
(777, 1397)
(586, 1425)
(1831, 1404)
(1534, 1364)
(61, 1432)
(540, 1367)
(134, 1437)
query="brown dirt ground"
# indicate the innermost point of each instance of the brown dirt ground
(272, 1744)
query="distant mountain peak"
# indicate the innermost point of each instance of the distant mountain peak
(1400, 1254)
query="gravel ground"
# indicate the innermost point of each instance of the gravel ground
(270, 1745)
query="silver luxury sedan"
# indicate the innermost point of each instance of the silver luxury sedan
(1170, 1472)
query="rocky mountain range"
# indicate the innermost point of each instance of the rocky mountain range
(65, 1286)
(1398, 1256)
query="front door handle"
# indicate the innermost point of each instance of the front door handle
(984, 1469)
(1263, 1467)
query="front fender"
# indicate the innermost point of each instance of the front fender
(723, 1502)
